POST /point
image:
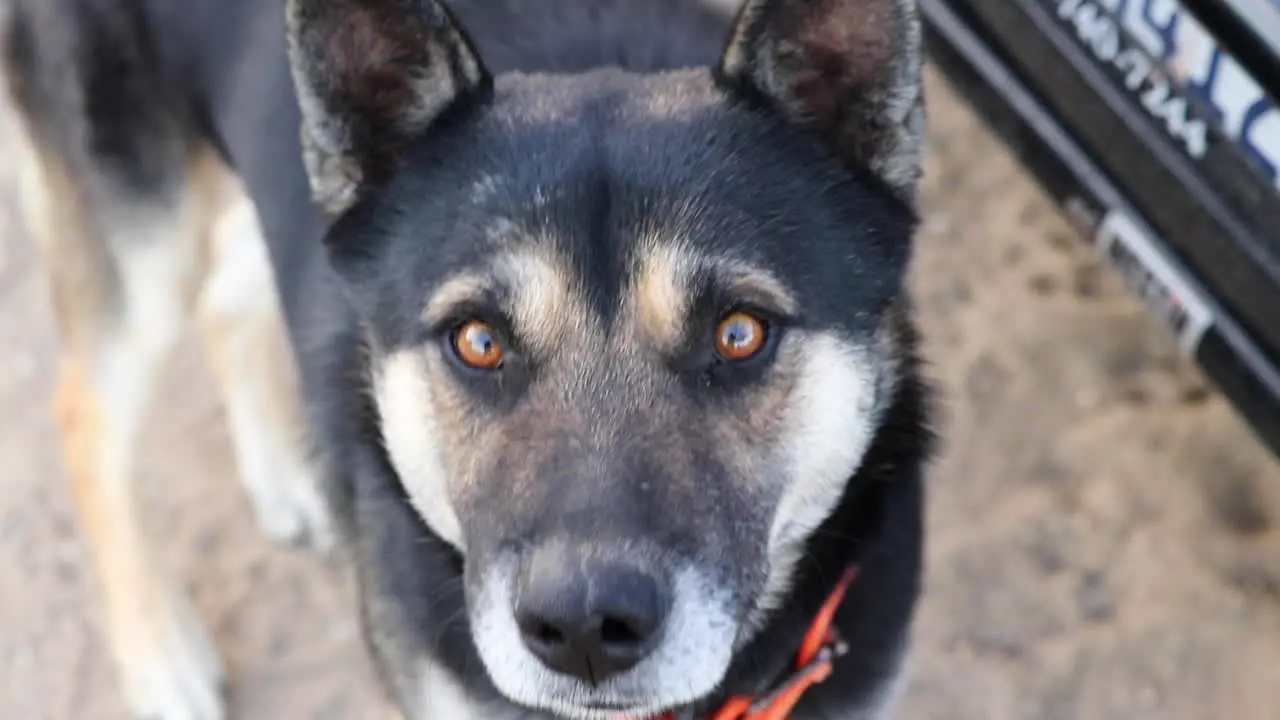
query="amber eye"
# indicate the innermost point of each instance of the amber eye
(477, 345)
(740, 336)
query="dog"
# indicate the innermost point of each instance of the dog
(576, 328)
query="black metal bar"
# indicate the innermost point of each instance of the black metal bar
(1193, 310)
(1230, 240)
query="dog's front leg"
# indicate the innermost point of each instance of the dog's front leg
(122, 270)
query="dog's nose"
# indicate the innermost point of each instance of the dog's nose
(590, 622)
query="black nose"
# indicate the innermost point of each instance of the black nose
(590, 621)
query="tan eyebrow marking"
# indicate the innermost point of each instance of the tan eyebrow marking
(758, 286)
(538, 296)
(662, 293)
(660, 296)
(455, 292)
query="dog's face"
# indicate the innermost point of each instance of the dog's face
(628, 333)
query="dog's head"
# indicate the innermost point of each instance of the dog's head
(627, 332)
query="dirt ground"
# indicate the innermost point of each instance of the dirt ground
(1104, 532)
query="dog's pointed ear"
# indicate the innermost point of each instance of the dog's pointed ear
(847, 69)
(370, 76)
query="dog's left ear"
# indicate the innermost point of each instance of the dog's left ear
(846, 69)
(371, 75)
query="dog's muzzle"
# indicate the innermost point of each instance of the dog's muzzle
(589, 618)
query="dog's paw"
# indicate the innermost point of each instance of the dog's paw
(292, 510)
(171, 669)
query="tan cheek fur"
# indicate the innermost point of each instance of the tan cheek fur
(829, 421)
(415, 442)
(438, 439)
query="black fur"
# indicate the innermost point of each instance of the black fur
(147, 77)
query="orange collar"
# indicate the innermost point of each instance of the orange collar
(814, 663)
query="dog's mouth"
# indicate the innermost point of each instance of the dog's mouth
(615, 711)
(621, 711)
(618, 707)
(685, 658)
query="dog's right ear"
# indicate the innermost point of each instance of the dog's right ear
(370, 76)
(847, 69)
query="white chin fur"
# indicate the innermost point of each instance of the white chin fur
(691, 661)
(413, 441)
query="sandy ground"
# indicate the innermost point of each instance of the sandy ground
(1104, 537)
